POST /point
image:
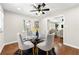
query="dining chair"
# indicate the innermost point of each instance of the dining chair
(52, 31)
(48, 44)
(41, 36)
(24, 45)
(26, 36)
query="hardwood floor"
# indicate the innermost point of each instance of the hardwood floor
(60, 48)
(10, 49)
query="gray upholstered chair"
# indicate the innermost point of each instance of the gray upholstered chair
(52, 31)
(24, 45)
(41, 36)
(48, 44)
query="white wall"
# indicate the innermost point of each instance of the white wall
(44, 24)
(71, 27)
(13, 24)
(1, 29)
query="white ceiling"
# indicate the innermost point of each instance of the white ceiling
(24, 9)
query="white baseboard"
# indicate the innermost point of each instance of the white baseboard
(10, 42)
(71, 45)
(1, 48)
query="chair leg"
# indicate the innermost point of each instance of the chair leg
(33, 50)
(21, 52)
(47, 52)
(37, 51)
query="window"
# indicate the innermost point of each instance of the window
(1, 20)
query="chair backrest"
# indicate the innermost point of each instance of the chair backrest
(20, 41)
(41, 36)
(23, 34)
(50, 40)
(29, 33)
(52, 31)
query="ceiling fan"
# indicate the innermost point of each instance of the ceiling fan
(40, 8)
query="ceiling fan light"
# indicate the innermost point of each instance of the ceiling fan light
(36, 13)
(43, 12)
(43, 4)
(18, 8)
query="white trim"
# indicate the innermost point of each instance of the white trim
(71, 45)
(1, 48)
(10, 42)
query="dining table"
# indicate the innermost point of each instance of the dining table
(35, 40)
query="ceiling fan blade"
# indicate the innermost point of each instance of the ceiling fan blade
(43, 12)
(39, 6)
(33, 10)
(34, 6)
(45, 9)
